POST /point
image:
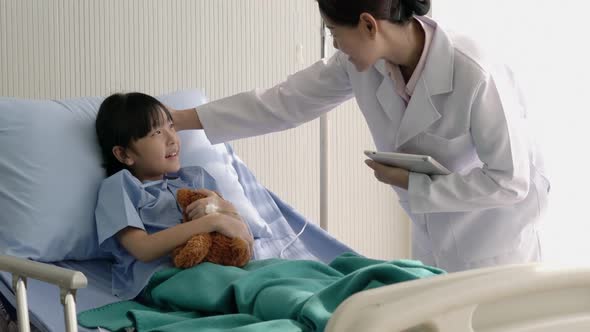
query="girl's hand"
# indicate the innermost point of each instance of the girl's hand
(198, 209)
(230, 226)
(398, 177)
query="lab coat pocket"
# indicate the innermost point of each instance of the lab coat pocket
(453, 153)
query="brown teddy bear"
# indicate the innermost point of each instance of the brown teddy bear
(208, 247)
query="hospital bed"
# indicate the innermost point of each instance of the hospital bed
(528, 297)
(532, 297)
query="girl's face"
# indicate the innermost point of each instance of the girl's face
(155, 154)
(358, 42)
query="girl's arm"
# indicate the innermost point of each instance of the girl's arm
(148, 247)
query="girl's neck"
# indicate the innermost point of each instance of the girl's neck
(145, 179)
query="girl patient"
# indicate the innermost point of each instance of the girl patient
(137, 217)
(138, 222)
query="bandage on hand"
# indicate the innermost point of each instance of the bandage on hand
(211, 208)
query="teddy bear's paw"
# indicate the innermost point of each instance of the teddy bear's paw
(241, 252)
(177, 251)
(228, 251)
(193, 252)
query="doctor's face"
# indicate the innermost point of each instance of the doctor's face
(356, 42)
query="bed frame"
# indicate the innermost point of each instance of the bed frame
(68, 282)
(514, 298)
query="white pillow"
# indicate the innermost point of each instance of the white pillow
(50, 169)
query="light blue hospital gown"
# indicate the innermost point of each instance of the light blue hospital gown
(124, 201)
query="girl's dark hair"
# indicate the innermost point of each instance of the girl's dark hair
(348, 12)
(123, 118)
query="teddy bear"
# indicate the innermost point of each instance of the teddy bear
(208, 247)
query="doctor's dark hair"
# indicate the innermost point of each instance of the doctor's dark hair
(123, 118)
(348, 12)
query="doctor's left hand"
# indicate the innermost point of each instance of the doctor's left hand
(398, 177)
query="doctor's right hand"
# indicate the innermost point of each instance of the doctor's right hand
(185, 119)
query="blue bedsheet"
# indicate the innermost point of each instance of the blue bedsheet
(285, 223)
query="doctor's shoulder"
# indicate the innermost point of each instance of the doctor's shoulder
(474, 58)
(339, 59)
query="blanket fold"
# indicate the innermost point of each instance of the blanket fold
(265, 295)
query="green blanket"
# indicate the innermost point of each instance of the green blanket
(266, 295)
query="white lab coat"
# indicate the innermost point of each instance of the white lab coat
(466, 112)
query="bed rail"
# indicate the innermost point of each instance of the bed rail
(523, 298)
(68, 281)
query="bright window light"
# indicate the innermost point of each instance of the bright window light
(547, 45)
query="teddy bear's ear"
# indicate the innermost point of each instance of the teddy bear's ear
(184, 197)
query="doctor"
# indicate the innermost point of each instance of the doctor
(421, 91)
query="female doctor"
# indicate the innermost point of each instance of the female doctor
(421, 91)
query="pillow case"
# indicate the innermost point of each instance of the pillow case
(51, 171)
(50, 166)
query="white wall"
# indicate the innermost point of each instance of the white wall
(70, 48)
(546, 44)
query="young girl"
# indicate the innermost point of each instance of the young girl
(137, 217)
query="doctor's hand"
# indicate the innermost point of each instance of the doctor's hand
(185, 119)
(398, 177)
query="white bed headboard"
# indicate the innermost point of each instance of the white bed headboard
(70, 48)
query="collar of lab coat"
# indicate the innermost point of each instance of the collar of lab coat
(437, 78)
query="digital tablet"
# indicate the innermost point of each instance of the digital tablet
(412, 162)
